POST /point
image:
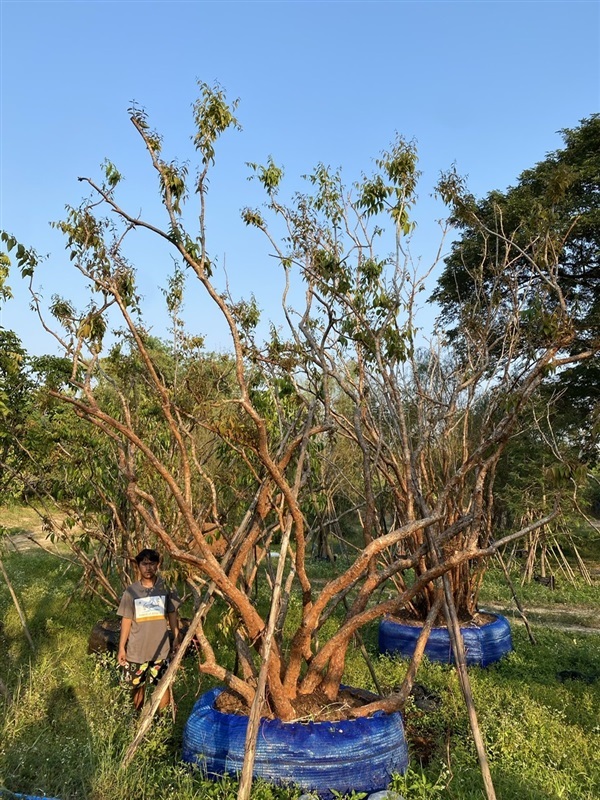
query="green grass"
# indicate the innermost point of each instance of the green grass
(579, 593)
(18, 519)
(70, 721)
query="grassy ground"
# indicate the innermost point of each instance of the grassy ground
(69, 722)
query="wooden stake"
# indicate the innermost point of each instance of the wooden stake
(20, 611)
(515, 598)
(245, 785)
(461, 668)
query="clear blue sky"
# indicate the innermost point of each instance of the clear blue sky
(484, 84)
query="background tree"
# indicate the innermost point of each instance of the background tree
(15, 406)
(552, 215)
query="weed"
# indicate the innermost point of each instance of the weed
(417, 785)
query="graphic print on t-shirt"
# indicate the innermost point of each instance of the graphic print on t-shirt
(148, 609)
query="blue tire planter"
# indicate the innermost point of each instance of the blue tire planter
(483, 645)
(358, 754)
(12, 795)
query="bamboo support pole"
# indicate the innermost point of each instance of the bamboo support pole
(461, 667)
(528, 571)
(511, 557)
(245, 785)
(564, 567)
(582, 567)
(17, 605)
(515, 598)
(543, 560)
(563, 560)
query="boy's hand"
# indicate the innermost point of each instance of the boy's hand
(122, 657)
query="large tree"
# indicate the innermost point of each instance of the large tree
(424, 428)
(551, 217)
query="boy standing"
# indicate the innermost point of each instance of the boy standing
(144, 645)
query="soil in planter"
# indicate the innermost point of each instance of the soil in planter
(315, 707)
(478, 620)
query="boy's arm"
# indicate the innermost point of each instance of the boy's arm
(125, 629)
(174, 625)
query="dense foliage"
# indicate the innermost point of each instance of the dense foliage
(551, 216)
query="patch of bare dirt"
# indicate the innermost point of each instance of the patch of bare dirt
(24, 541)
(24, 531)
(573, 619)
(31, 540)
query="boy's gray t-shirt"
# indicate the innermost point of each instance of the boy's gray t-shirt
(148, 608)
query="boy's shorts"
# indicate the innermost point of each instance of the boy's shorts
(149, 672)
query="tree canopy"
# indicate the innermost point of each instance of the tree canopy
(550, 219)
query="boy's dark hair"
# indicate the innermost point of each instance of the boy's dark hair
(150, 555)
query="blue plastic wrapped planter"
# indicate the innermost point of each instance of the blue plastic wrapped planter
(484, 644)
(4, 793)
(358, 754)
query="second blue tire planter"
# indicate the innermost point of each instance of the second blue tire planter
(358, 754)
(484, 644)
